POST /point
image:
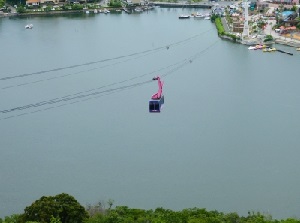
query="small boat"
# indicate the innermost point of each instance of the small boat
(272, 49)
(95, 11)
(298, 49)
(87, 12)
(251, 48)
(29, 26)
(269, 49)
(184, 16)
(199, 16)
(207, 17)
(149, 8)
(126, 10)
(138, 10)
(106, 11)
(258, 47)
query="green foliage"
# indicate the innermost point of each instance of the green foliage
(290, 220)
(115, 4)
(77, 7)
(54, 220)
(63, 208)
(66, 7)
(213, 17)
(123, 214)
(48, 8)
(12, 219)
(2, 3)
(294, 8)
(268, 38)
(97, 218)
(60, 208)
(21, 9)
(219, 26)
(261, 24)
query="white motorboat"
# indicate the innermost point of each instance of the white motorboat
(138, 10)
(199, 16)
(29, 26)
(252, 48)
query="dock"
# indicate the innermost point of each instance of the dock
(183, 5)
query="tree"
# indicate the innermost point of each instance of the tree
(48, 8)
(2, 3)
(115, 3)
(21, 9)
(110, 203)
(60, 208)
(12, 219)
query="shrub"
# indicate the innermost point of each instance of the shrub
(219, 26)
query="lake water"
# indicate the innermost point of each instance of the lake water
(74, 115)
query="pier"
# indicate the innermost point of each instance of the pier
(183, 5)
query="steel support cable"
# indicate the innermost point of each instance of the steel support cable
(66, 99)
(78, 94)
(86, 97)
(104, 60)
(78, 72)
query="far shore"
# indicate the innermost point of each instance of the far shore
(282, 40)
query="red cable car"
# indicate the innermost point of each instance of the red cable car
(157, 100)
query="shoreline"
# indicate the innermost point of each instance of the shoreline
(277, 40)
(41, 13)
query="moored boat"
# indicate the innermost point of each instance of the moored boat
(137, 9)
(184, 16)
(272, 49)
(199, 16)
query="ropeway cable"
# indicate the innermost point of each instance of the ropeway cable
(74, 73)
(84, 96)
(103, 60)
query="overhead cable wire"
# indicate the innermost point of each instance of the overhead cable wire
(103, 60)
(88, 96)
(78, 72)
(79, 94)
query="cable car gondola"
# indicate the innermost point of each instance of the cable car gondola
(157, 100)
